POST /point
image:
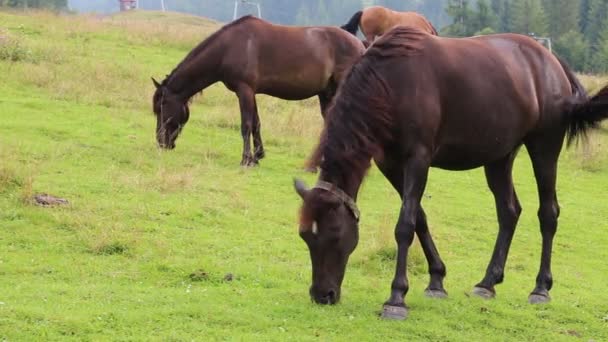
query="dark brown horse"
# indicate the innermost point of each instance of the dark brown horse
(251, 56)
(416, 101)
(377, 20)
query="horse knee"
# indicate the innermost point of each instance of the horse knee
(246, 128)
(404, 233)
(548, 212)
(514, 210)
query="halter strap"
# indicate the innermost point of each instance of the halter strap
(343, 196)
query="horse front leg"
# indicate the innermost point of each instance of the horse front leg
(415, 176)
(325, 98)
(248, 111)
(258, 145)
(437, 271)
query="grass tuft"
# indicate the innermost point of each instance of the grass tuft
(13, 49)
(110, 248)
(9, 179)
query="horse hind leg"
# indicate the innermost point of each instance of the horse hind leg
(544, 155)
(508, 209)
(436, 266)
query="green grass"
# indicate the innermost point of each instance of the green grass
(142, 251)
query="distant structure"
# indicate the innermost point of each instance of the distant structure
(127, 5)
(245, 2)
(544, 41)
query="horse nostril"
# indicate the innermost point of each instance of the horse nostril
(331, 296)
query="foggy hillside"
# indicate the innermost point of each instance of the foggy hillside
(293, 12)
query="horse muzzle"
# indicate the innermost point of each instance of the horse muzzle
(330, 296)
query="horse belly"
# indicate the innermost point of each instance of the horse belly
(296, 85)
(463, 156)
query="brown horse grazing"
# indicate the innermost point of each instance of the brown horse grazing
(416, 101)
(376, 20)
(251, 56)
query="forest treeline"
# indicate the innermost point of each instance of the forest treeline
(578, 29)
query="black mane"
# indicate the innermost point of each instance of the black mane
(358, 123)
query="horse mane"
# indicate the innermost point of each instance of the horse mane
(203, 45)
(358, 122)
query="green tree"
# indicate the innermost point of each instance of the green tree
(528, 17)
(484, 17)
(55, 4)
(598, 61)
(583, 11)
(596, 15)
(462, 23)
(561, 16)
(572, 47)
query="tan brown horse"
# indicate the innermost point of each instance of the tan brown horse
(376, 20)
(415, 101)
(252, 56)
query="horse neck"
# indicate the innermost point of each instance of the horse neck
(197, 72)
(347, 176)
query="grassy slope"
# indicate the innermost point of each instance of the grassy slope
(116, 263)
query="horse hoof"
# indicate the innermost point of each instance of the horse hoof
(484, 293)
(394, 312)
(537, 298)
(248, 163)
(430, 293)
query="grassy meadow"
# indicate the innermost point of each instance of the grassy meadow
(147, 246)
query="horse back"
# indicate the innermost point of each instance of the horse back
(289, 62)
(498, 88)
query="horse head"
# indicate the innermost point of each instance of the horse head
(329, 226)
(171, 112)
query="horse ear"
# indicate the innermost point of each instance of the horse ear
(156, 84)
(300, 187)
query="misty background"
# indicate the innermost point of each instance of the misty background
(289, 12)
(578, 29)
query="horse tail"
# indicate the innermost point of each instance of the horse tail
(577, 88)
(353, 24)
(587, 114)
(583, 113)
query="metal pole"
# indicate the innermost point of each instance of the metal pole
(236, 7)
(162, 5)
